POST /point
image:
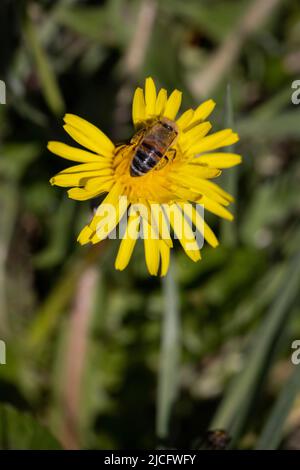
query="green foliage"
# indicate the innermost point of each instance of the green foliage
(100, 357)
(19, 431)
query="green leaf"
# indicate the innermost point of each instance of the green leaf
(15, 158)
(19, 431)
(273, 430)
(235, 407)
(169, 354)
(56, 249)
(87, 21)
(229, 178)
(8, 216)
(215, 19)
(269, 205)
(44, 70)
(283, 125)
(55, 303)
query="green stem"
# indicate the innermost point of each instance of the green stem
(229, 178)
(169, 354)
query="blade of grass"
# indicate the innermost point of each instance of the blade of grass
(169, 354)
(8, 215)
(229, 178)
(277, 127)
(57, 301)
(226, 55)
(56, 249)
(44, 70)
(14, 160)
(273, 430)
(47, 315)
(236, 405)
(77, 346)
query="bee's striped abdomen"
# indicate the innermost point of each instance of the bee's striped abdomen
(145, 158)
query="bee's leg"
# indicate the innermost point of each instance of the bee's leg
(167, 158)
(161, 164)
(120, 147)
(137, 137)
(171, 154)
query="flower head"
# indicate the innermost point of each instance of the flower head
(168, 191)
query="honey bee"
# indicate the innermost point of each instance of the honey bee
(217, 439)
(152, 145)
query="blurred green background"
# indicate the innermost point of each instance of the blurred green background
(103, 359)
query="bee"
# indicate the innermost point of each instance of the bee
(217, 439)
(152, 145)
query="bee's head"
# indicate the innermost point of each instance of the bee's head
(171, 126)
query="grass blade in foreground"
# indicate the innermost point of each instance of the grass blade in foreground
(169, 355)
(272, 432)
(228, 230)
(44, 70)
(237, 403)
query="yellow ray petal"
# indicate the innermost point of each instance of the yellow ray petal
(218, 160)
(202, 112)
(151, 245)
(111, 198)
(158, 218)
(205, 187)
(185, 119)
(195, 134)
(128, 243)
(217, 189)
(98, 165)
(86, 167)
(106, 182)
(72, 153)
(216, 208)
(164, 250)
(181, 192)
(161, 102)
(80, 194)
(150, 97)
(215, 141)
(98, 141)
(138, 107)
(108, 217)
(85, 235)
(173, 105)
(183, 231)
(141, 209)
(191, 172)
(79, 179)
(147, 214)
(198, 221)
(209, 235)
(78, 175)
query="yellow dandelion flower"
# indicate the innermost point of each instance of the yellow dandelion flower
(157, 195)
